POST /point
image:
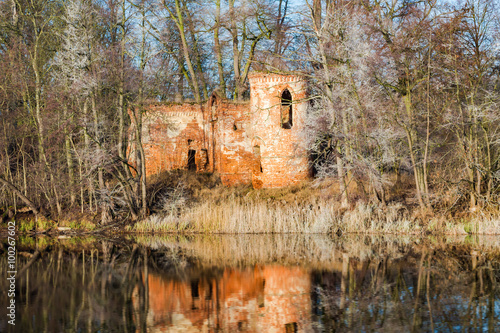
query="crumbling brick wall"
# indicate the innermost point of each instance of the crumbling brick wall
(283, 158)
(255, 142)
(233, 157)
(269, 298)
(170, 132)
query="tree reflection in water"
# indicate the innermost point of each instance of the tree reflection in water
(255, 284)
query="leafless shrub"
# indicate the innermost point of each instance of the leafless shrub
(173, 199)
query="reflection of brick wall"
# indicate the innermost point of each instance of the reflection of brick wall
(262, 299)
(286, 299)
(222, 135)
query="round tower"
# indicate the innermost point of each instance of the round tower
(277, 111)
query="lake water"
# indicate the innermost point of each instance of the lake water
(254, 283)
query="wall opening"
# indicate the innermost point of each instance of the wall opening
(204, 159)
(258, 162)
(291, 327)
(286, 109)
(208, 296)
(213, 108)
(195, 292)
(238, 125)
(242, 325)
(191, 160)
(261, 299)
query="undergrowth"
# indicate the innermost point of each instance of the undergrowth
(198, 203)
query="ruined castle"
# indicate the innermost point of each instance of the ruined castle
(253, 142)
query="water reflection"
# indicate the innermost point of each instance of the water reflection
(255, 284)
(258, 299)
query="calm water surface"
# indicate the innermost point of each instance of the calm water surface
(254, 283)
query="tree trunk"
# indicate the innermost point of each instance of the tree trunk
(86, 141)
(218, 50)
(344, 201)
(179, 21)
(199, 68)
(69, 160)
(39, 120)
(21, 196)
(316, 11)
(236, 52)
(105, 210)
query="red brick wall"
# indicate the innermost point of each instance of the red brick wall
(169, 132)
(224, 134)
(283, 158)
(235, 157)
(264, 299)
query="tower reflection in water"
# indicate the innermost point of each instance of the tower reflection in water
(268, 298)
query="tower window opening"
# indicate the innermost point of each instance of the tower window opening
(286, 110)
(238, 125)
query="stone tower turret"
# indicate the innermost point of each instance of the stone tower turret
(277, 111)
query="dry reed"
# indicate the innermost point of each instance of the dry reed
(310, 208)
(318, 251)
(252, 216)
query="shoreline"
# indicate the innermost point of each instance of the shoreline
(69, 232)
(198, 204)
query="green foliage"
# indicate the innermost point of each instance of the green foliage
(82, 225)
(26, 225)
(35, 224)
(470, 226)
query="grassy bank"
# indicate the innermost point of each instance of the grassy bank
(253, 216)
(184, 202)
(189, 203)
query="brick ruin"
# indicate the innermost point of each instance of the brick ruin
(270, 298)
(253, 142)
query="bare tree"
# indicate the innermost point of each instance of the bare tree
(473, 113)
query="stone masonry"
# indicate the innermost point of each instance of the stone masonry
(255, 142)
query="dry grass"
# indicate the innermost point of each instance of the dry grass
(318, 251)
(257, 216)
(189, 206)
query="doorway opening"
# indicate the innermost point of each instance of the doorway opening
(191, 160)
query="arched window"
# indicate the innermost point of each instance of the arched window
(286, 109)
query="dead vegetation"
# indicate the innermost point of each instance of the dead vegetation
(197, 203)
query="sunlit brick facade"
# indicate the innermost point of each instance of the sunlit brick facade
(269, 298)
(255, 142)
